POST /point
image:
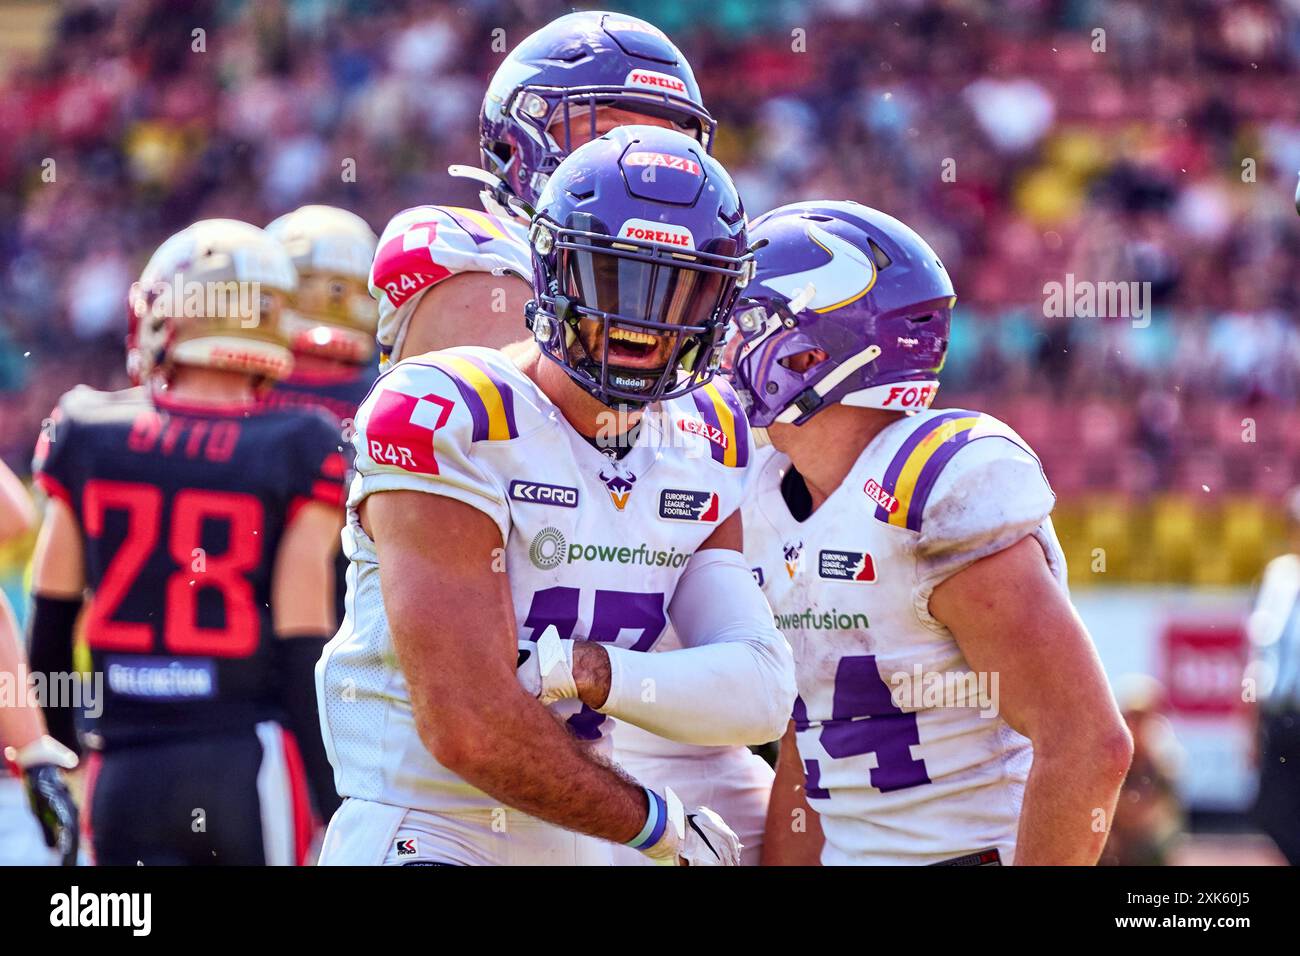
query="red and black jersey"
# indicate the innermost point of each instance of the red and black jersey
(182, 509)
(338, 389)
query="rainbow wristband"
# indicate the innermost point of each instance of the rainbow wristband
(656, 822)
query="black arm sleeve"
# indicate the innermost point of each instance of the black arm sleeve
(49, 643)
(298, 657)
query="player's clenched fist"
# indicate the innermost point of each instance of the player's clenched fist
(545, 668)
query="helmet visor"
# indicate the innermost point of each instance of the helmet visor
(641, 319)
(659, 295)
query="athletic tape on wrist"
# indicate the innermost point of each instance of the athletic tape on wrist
(656, 822)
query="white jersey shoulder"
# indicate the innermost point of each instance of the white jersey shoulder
(968, 486)
(419, 426)
(424, 245)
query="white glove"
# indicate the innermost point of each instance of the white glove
(709, 841)
(545, 668)
(695, 838)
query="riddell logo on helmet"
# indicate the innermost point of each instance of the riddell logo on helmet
(656, 81)
(909, 396)
(660, 232)
(680, 163)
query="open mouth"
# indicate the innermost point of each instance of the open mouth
(633, 349)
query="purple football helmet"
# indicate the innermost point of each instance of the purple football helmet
(855, 283)
(639, 251)
(565, 71)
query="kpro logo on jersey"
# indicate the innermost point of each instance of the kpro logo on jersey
(880, 496)
(846, 566)
(661, 232)
(539, 493)
(400, 429)
(676, 504)
(406, 847)
(653, 80)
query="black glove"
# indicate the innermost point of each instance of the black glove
(54, 808)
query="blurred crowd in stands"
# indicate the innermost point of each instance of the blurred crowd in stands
(1108, 141)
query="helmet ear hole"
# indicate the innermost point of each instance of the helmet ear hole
(692, 128)
(803, 362)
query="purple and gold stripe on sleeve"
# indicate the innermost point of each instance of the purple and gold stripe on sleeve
(917, 464)
(719, 407)
(480, 226)
(490, 401)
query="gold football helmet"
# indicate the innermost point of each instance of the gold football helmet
(331, 314)
(213, 295)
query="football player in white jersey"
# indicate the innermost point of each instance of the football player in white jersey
(951, 706)
(496, 546)
(446, 276)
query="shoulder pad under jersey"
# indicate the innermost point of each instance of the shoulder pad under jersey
(418, 427)
(905, 494)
